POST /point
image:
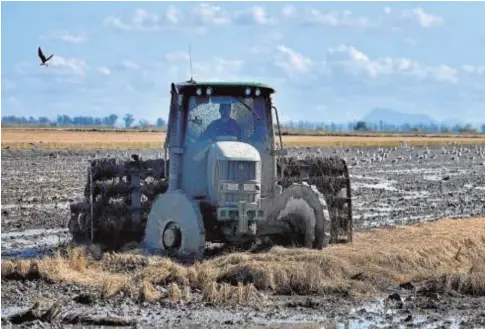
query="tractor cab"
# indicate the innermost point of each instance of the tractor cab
(231, 119)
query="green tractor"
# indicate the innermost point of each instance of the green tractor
(225, 177)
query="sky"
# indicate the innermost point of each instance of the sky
(328, 61)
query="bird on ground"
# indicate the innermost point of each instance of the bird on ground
(42, 57)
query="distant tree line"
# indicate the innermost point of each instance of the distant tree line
(363, 126)
(64, 120)
(129, 121)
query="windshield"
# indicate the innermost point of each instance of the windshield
(226, 118)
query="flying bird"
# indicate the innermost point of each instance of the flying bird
(43, 58)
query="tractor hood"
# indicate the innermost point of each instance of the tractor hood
(230, 167)
(234, 151)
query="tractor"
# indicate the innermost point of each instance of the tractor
(222, 176)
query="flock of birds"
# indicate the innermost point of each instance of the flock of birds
(409, 153)
(454, 154)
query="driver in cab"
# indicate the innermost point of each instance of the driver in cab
(224, 126)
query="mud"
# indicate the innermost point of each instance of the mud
(390, 187)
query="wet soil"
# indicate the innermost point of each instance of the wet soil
(390, 187)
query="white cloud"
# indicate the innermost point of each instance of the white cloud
(292, 61)
(209, 14)
(65, 36)
(469, 69)
(73, 38)
(356, 62)
(69, 65)
(104, 70)
(424, 19)
(415, 16)
(443, 73)
(288, 11)
(177, 68)
(316, 17)
(217, 69)
(200, 15)
(343, 18)
(254, 15)
(206, 15)
(345, 59)
(172, 14)
(142, 20)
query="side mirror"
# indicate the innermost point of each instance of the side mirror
(173, 88)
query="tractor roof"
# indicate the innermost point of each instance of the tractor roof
(224, 85)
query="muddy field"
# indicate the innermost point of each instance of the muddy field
(391, 186)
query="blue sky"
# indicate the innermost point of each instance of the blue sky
(327, 60)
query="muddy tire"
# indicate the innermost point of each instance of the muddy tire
(330, 176)
(77, 224)
(302, 214)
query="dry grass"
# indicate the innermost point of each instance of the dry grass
(71, 139)
(449, 252)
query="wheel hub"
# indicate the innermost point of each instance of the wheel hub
(172, 236)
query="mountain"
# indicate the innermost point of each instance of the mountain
(398, 118)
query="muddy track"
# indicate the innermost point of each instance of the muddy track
(390, 186)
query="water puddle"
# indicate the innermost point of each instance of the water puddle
(32, 243)
(47, 205)
(382, 185)
(368, 315)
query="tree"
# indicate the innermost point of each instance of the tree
(161, 122)
(44, 120)
(63, 120)
(112, 119)
(361, 126)
(128, 119)
(143, 123)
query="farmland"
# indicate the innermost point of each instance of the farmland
(404, 267)
(18, 138)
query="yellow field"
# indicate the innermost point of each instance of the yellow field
(51, 138)
(447, 252)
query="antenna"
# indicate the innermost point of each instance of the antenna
(190, 61)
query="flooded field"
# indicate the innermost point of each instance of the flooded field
(390, 186)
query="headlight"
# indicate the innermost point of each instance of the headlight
(249, 187)
(199, 91)
(208, 91)
(248, 91)
(232, 187)
(258, 92)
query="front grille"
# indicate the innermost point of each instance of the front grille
(237, 170)
(236, 197)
